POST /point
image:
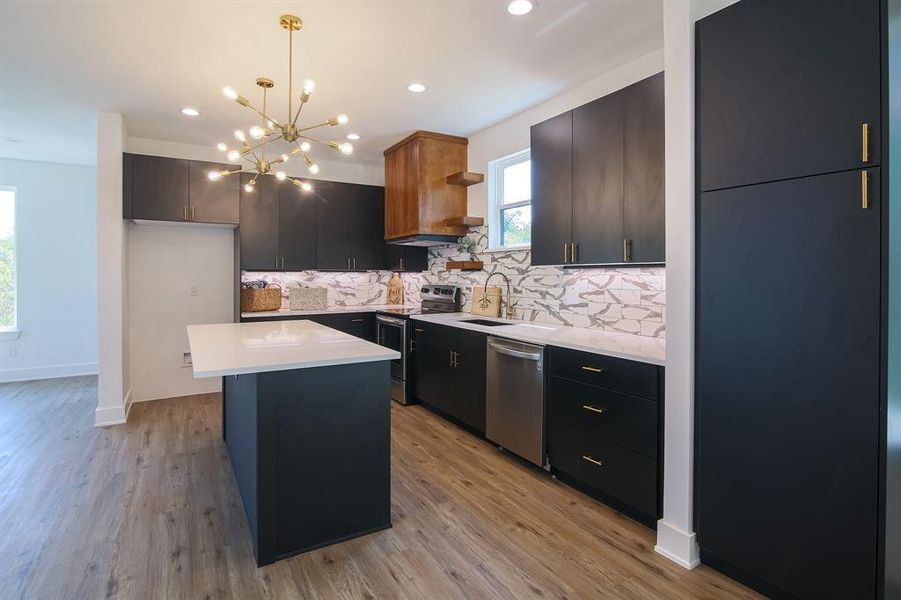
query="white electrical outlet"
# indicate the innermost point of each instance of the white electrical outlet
(195, 290)
(186, 360)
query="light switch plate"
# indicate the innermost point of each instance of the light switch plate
(186, 360)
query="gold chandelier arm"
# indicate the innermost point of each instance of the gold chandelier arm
(332, 145)
(303, 100)
(262, 114)
(329, 122)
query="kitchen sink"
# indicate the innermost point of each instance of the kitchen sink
(484, 322)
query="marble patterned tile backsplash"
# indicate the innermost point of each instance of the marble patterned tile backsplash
(626, 300)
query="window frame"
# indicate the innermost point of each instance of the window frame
(14, 328)
(496, 205)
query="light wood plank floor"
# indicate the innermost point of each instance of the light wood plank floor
(150, 510)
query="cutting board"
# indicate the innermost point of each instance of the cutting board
(493, 306)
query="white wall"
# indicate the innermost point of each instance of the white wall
(164, 263)
(113, 386)
(512, 135)
(332, 170)
(675, 531)
(57, 271)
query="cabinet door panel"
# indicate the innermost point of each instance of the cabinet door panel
(368, 226)
(469, 378)
(597, 216)
(784, 87)
(259, 225)
(213, 201)
(296, 228)
(788, 377)
(159, 188)
(552, 191)
(333, 230)
(643, 184)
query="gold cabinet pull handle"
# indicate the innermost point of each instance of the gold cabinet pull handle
(592, 369)
(418, 330)
(864, 189)
(356, 320)
(593, 409)
(565, 253)
(186, 213)
(593, 461)
(573, 252)
(451, 360)
(192, 214)
(865, 138)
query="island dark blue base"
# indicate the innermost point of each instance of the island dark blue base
(311, 453)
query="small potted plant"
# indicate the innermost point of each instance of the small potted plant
(465, 246)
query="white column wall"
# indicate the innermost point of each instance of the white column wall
(676, 538)
(113, 389)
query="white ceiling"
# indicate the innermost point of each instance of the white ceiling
(62, 61)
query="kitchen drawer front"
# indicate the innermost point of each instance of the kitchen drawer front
(619, 418)
(441, 335)
(619, 375)
(344, 321)
(622, 474)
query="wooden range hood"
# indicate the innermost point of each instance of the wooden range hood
(425, 190)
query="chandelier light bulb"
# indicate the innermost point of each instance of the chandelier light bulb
(239, 135)
(233, 155)
(230, 93)
(305, 186)
(313, 169)
(214, 175)
(305, 146)
(308, 86)
(222, 147)
(248, 188)
(342, 119)
(270, 124)
(285, 158)
(280, 175)
(346, 148)
(257, 132)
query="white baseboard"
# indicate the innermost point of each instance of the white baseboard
(49, 372)
(679, 546)
(113, 415)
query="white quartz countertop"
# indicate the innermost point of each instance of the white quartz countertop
(238, 348)
(331, 309)
(619, 345)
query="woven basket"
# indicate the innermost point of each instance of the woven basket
(261, 299)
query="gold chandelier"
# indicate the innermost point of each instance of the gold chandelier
(271, 130)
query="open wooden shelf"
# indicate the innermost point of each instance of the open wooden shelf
(465, 178)
(465, 265)
(467, 221)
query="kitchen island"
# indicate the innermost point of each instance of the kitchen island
(306, 421)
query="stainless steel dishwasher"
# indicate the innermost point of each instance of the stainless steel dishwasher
(514, 409)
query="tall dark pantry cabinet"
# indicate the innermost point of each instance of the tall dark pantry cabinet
(791, 403)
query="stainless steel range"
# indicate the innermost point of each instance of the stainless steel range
(394, 329)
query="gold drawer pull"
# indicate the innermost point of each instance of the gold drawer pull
(864, 190)
(592, 369)
(600, 411)
(356, 320)
(593, 461)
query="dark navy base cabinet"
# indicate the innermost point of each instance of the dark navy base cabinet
(604, 438)
(311, 454)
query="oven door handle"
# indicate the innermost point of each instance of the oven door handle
(390, 321)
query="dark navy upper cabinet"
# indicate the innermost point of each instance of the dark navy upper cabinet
(552, 190)
(795, 82)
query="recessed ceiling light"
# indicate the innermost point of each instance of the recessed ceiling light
(190, 112)
(416, 88)
(520, 7)
(353, 136)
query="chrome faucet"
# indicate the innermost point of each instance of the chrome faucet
(509, 310)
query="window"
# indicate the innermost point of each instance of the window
(510, 201)
(7, 259)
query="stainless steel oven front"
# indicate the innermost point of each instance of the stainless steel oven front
(392, 332)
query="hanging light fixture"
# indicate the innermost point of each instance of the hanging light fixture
(253, 150)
